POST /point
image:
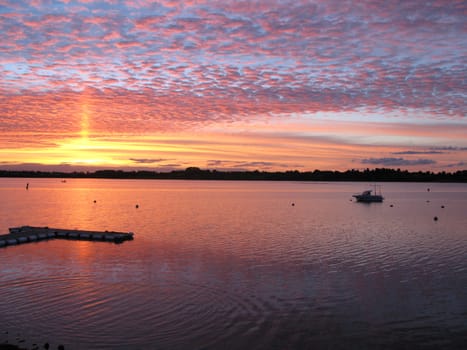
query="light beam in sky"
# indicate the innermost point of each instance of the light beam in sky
(84, 123)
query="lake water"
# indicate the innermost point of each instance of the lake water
(235, 265)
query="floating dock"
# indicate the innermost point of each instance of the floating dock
(25, 234)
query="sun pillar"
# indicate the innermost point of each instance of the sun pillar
(84, 123)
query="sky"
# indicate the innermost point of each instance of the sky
(269, 85)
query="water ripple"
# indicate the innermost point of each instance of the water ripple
(238, 268)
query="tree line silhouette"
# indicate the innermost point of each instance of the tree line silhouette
(195, 173)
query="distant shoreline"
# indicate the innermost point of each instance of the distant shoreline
(194, 173)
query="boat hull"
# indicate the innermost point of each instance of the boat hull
(368, 199)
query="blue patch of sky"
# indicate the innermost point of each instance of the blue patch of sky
(188, 16)
(4, 9)
(96, 7)
(55, 8)
(45, 73)
(409, 117)
(16, 6)
(94, 30)
(17, 68)
(153, 10)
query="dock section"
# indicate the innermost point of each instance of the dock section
(25, 234)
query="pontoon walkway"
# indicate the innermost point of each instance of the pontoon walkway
(25, 234)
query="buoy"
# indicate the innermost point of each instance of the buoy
(435, 218)
(293, 204)
(94, 201)
(391, 205)
(442, 206)
(136, 206)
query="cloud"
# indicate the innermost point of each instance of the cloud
(68, 168)
(63, 167)
(148, 160)
(290, 55)
(397, 161)
(249, 165)
(449, 148)
(418, 152)
(457, 165)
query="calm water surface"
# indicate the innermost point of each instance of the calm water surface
(235, 265)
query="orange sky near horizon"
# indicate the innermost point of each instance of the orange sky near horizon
(303, 85)
(275, 145)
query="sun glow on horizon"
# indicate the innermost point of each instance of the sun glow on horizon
(86, 151)
(298, 143)
(271, 147)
